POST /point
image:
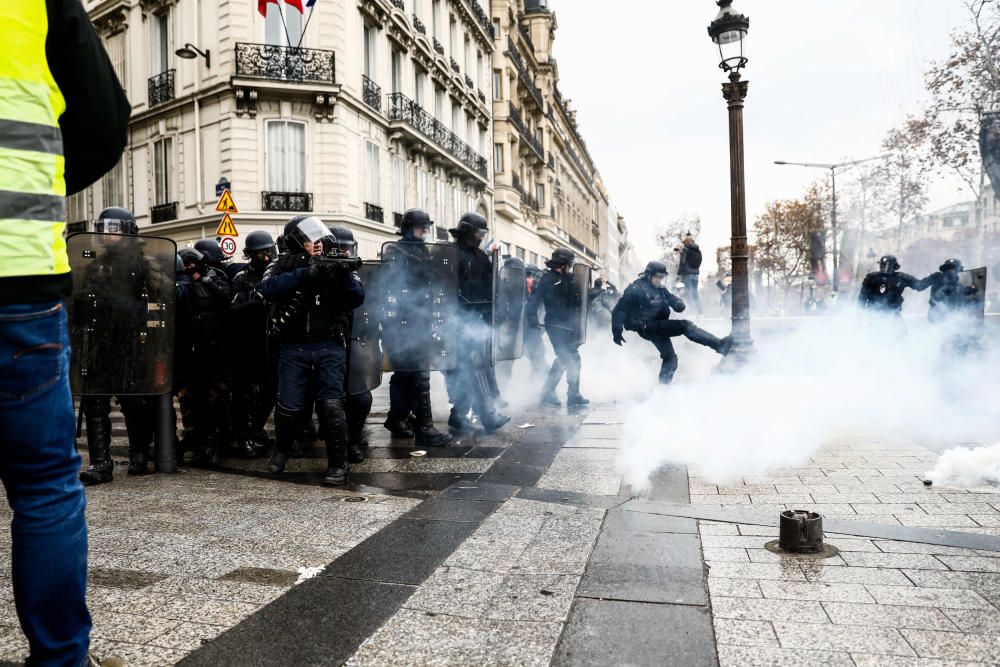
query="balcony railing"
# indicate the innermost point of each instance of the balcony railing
(163, 213)
(371, 92)
(525, 35)
(403, 109)
(454, 66)
(418, 25)
(530, 201)
(523, 74)
(438, 46)
(399, 4)
(522, 129)
(481, 16)
(517, 184)
(286, 201)
(161, 88)
(285, 63)
(374, 213)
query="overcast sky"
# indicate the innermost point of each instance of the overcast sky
(827, 79)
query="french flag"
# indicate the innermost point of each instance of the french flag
(298, 4)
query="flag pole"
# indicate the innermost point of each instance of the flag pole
(288, 40)
(312, 10)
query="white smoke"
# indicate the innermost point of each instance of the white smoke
(966, 467)
(812, 382)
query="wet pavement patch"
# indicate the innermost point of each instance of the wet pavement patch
(262, 575)
(131, 580)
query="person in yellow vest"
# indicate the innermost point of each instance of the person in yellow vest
(63, 124)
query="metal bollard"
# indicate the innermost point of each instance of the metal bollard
(166, 435)
(801, 532)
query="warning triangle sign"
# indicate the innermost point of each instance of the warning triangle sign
(226, 227)
(226, 203)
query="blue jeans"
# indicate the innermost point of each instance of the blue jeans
(690, 281)
(39, 467)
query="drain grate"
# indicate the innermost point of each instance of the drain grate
(130, 580)
(262, 575)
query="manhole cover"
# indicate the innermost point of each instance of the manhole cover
(262, 575)
(828, 551)
(355, 499)
(126, 579)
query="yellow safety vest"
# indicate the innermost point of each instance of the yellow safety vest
(32, 166)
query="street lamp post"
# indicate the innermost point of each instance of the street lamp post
(833, 207)
(728, 31)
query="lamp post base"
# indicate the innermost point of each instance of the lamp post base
(740, 355)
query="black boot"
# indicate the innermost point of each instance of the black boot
(425, 435)
(333, 424)
(101, 468)
(725, 345)
(140, 426)
(399, 427)
(698, 335)
(458, 420)
(488, 416)
(286, 427)
(245, 447)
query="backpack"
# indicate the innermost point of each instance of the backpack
(694, 258)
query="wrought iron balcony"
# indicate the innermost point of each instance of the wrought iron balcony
(418, 25)
(517, 184)
(163, 213)
(403, 109)
(371, 92)
(523, 74)
(286, 201)
(438, 46)
(285, 63)
(530, 201)
(526, 36)
(399, 4)
(454, 66)
(374, 213)
(524, 132)
(481, 16)
(161, 88)
(468, 81)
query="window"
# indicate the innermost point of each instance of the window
(479, 69)
(113, 186)
(440, 210)
(456, 110)
(421, 189)
(398, 184)
(498, 157)
(397, 72)
(115, 46)
(419, 86)
(439, 103)
(468, 55)
(482, 141)
(163, 162)
(520, 253)
(435, 17)
(287, 33)
(286, 156)
(496, 28)
(160, 41)
(370, 38)
(372, 184)
(456, 204)
(452, 37)
(497, 86)
(470, 130)
(76, 207)
(540, 194)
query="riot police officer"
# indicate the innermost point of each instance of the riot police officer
(313, 298)
(203, 302)
(882, 290)
(645, 308)
(410, 390)
(215, 258)
(471, 385)
(534, 347)
(948, 294)
(358, 404)
(121, 275)
(253, 387)
(557, 293)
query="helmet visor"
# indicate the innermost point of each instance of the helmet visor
(311, 229)
(112, 226)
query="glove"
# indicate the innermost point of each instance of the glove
(619, 339)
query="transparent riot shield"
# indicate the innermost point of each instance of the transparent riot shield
(581, 304)
(121, 314)
(365, 370)
(975, 303)
(508, 315)
(417, 302)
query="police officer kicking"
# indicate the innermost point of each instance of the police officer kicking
(882, 290)
(313, 302)
(471, 385)
(559, 294)
(645, 308)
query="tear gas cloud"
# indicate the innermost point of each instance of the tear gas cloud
(812, 382)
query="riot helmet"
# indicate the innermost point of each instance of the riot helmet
(654, 268)
(342, 242)
(116, 220)
(212, 251)
(952, 265)
(178, 264)
(194, 261)
(561, 257)
(888, 264)
(471, 226)
(259, 249)
(414, 218)
(513, 263)
(304, 229)
(533, 270)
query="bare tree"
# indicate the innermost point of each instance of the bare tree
(669, 235)
(783, 234)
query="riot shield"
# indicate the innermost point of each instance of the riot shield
(121, 314)
(975, 303)
(417, 302)
(365, 370)
(581, 289)
(508, 316)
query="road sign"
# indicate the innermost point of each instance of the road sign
(228, 246)
(227, 227)
(222, 186)
(226, 203)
